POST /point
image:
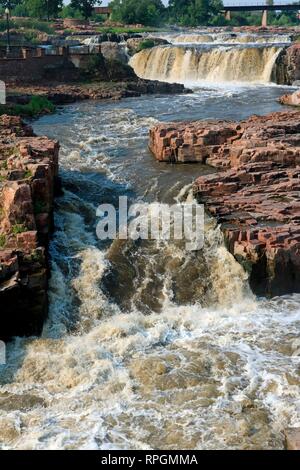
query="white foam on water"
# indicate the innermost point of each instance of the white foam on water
(222, 373)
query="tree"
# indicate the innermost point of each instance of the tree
(41, 8)
(86, 7)
(194, 12)
(11, 4)
(146, 12)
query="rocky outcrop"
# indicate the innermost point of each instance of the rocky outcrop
(113, 51)
(60, 94)
(291, 99)
(134, 45)
(28, 179)
(286, 69)
(256, 196)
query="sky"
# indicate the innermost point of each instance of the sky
(225, 2)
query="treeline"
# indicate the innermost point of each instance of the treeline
(147, 12)
(49, 9)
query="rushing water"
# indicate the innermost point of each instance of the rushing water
(147, 345)
(211, 58)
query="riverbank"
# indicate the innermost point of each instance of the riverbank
(66, 93)
(28, 183)
(106, 362)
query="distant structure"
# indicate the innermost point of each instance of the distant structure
(259, 7)
(105, 11)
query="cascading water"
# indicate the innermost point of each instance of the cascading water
(228, 38)
(192, 65)
(147, 345)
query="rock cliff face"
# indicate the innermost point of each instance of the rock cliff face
(287, 66)
(28, 179)
(256, 196)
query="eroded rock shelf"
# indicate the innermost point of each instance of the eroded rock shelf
(28, 180)
(255, 196)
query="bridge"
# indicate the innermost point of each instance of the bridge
(105, 11)
(264, 7)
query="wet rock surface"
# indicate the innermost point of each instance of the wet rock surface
(28, 180)
(287, 66)
(60, 94)
(256, 196)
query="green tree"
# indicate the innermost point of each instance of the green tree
(43, 8)
(86, 7)
(146, 12)
(70, 12)
(11, 4)
(195, 12)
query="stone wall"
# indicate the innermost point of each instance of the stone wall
(28, 179)
(31, 69)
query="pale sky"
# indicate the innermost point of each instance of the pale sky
(225, 2)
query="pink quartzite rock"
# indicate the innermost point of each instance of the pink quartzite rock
(256, 198)
(291, 99)
(28, 178)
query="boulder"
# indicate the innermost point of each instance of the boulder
(112, 51)
(291, 99)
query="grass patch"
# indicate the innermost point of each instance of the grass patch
(2, 240)
(19, 228)
(37, 105)
(123, 30)
(147, 44)
(31, 23)
(3, 165)
(28, 174)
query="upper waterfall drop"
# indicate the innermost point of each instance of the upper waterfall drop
(191, 65)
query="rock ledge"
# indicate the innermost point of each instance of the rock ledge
(255, 197)
(28, 179)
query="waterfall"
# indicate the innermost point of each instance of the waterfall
(193, 64)
(227, 38)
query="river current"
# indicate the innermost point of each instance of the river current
(148, 346)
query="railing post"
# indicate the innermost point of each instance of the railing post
(264, 19)
(227, 15)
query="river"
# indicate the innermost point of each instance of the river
(148, 346)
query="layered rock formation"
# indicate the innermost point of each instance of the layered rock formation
(60, 94)
(287, 66)
(134, 45)
(256, 196)
(28, 178)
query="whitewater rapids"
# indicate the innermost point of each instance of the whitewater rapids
(148, 346)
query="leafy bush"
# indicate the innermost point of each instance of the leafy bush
(31, 23)
(19, 228)
(36, 106)
(147, 44)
